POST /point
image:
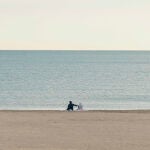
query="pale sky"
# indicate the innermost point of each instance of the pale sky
(75, 24)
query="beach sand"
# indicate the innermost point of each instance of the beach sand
(60, 130)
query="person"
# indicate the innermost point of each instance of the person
(80, 106)
(70, 106)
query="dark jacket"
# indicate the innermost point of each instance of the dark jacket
(70, 106)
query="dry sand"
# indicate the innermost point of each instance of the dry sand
(91, 130)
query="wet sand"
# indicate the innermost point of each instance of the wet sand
(60, 130)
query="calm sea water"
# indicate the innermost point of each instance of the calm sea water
(98, 79)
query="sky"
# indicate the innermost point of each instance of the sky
(75, 24)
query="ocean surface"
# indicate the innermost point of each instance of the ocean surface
(100, 80)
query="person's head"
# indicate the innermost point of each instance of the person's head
(70, 102)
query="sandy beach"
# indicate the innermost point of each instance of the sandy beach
(89, 130)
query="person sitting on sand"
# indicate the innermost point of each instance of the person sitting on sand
(70, 106)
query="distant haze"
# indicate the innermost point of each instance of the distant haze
(75, 24)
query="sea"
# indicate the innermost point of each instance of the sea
(100, 80)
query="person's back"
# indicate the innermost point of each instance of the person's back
(70, 106)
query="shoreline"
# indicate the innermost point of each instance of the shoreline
(83, 111)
